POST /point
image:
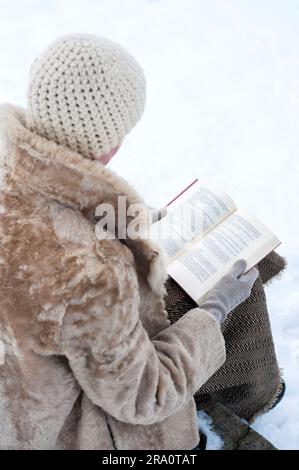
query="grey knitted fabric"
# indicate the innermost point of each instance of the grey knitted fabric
(230, 291)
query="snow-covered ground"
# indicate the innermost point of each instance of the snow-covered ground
(223, 104)
(205, 423)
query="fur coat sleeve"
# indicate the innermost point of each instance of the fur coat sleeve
(134, 378)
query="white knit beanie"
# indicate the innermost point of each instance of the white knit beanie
(85, 92)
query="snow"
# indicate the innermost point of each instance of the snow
(223, 105)
(205, 422)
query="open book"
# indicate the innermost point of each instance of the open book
(204, 234)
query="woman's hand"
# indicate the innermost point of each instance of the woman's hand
(230, 291)
(157, 214)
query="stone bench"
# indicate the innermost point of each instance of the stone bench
(235, 433)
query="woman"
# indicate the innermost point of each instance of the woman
(91, 361)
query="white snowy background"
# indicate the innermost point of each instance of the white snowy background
(223, 105)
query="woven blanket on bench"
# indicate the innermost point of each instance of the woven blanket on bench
(249, 380)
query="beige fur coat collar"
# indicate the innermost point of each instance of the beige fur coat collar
(90, 358)
(67, 177)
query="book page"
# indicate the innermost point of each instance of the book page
(192, 215)
(240, 236)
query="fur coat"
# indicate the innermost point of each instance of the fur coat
(90, 358)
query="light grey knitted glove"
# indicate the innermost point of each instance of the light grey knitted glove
(230, 291)
(157, 214)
